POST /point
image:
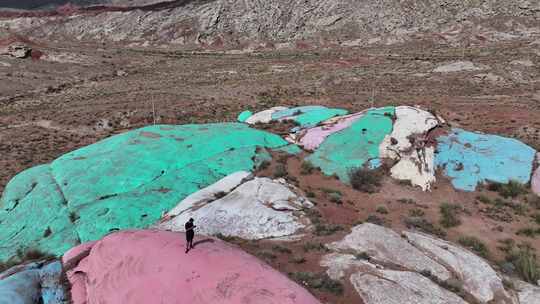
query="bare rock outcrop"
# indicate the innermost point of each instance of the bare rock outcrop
(385, 267)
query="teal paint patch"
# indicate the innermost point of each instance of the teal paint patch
(470, 158)
(125, 181)
(354, 146)
(242, 117)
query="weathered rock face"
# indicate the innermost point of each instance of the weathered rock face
(470, 158)
(135, 177)
(407, 144)
(241, 22)
(149, 267)
(242, 206)
(409, 268)
(479, 279)
(387, 247)
(38, 282)
(527, 293)
(17, 50)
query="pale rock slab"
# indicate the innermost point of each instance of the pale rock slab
(240, 206)
(264, 116)
(479, 279)
(401, 287)
(527, 293)
(385, 246)
(458, 66)
(407, 145)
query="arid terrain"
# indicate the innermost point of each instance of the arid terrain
(70, 93)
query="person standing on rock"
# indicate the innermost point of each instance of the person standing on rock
(190, 233)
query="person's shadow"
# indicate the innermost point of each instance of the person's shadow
(202, 242)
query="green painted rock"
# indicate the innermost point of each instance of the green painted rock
(354, 146)
(125, 181)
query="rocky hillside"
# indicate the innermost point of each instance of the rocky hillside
(270, 23)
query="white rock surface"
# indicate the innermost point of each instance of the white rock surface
(479, 279)
(250, 209)
(387, 247)
(457, 66)
(407, 145)
(17, 50)
(339, 264)
(400, 287)
(264, 116)
(527, 293)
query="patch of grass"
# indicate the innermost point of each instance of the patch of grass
(475, 245)
(310, 194)
(536, 218)
(525, 262)
(228, 239)
(528, 232)
(329, 190)
(280, 171)
(373, 219)
(310, 246)
(327, 229)
(335, 197)
(267, 255)
(365, 180)
(298, 260)
(483, 199)
(416, 212)
(422, 224)
(511, 189)
(306, 167)
(449, 215)
(534, 201)
(320, 281)
(382, 209)
(281, 249)
(407, 201)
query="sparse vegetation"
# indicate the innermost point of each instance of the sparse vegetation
(407, 201)
(335, 197)
(310, 246)
(229, 239)
(320, 281)
(373, 219)
(475, 245)
(220, 194)
(327, 229)
(310, 194)
(306, 167)
(523, 259)
(264, 165)
(511, 189)
(298, 260)
(280, 171)
(528, 232)
(382, 209)
(424, 225)
(365, 180)
(281, 249)
(267, 255)
(484, 199)
(416, 212)
(362, 256)
(449, 215)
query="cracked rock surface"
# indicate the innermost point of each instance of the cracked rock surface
(242, 206)
(385, 267)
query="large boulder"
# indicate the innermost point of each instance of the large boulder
(32, 283)
(243, 206)
(150, 266)
(125, 181)
(471, 158)
(385, 267)
(354, 146)
(477, 276)
(408, 146)
(387, 247)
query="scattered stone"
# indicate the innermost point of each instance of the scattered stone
(535, 180)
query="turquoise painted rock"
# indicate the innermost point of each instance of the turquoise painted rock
(125, 181)
(470, 158)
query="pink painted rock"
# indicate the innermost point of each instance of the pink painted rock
(535, 181)
(151, 266)
(311, 138)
